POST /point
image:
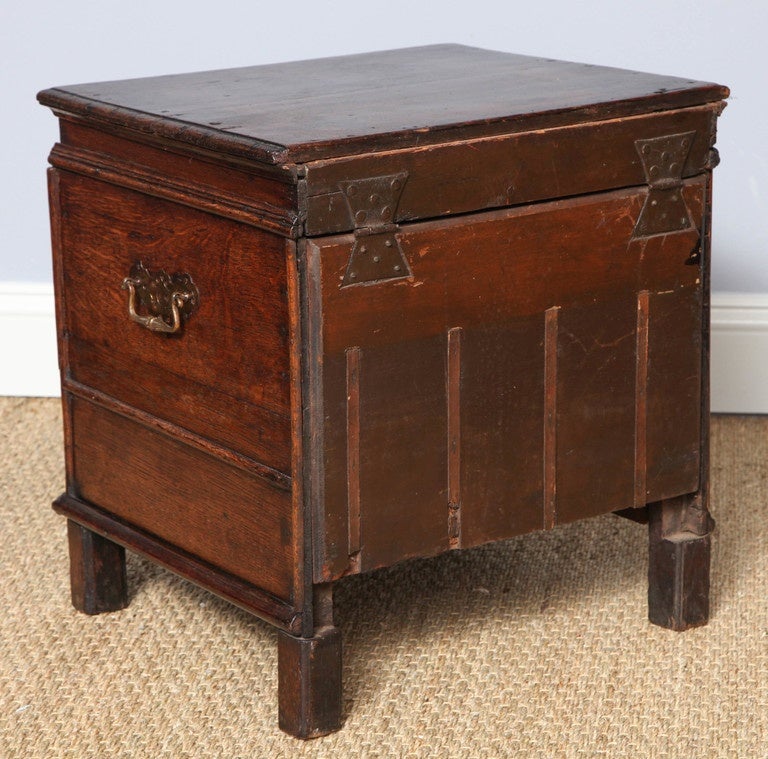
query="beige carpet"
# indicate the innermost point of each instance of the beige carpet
(538, 647)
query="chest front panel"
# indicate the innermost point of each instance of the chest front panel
(541, 364)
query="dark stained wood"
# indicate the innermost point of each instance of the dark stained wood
(495, 277)
(247, 183)
(596, 407)
(322, 606)
(354, 525)
(502, 430)
(509, 170)
(503, 264)
(549, 486)
(454, 436)
(204, 506)
(227, 188)
(674, 391)
(639, 515)
(62, 338)
(403, 508)
(509, 349)
(641, 400)
(226, 375)
(680, 528)
(678, 563)
(701, 517)
(678, 583)
(309, 683)
(403, 451)
(394, 98)
(223, 584)
(329, 466)
(275, 478)
(301, 517)
(677, 358)
(333, 524)
(54, 203)
(96, 571)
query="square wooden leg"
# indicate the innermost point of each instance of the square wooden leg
(309, 683)
(679, 559)
(97, 571)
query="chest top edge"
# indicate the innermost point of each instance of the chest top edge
(347, 105)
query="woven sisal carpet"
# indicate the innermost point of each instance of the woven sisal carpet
(537, 647)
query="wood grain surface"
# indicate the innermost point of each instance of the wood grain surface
(513, 169)
(225, 376)
(298, 111)
(546, 298)
(190, 499)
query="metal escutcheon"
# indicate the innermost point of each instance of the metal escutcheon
(166, 300)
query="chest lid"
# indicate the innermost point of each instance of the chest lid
(372, 102)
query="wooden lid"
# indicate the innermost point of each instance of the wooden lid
(308, 110)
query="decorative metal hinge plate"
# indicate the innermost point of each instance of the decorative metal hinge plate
(376, 253)
(663, 161)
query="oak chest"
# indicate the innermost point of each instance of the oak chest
(319, 317)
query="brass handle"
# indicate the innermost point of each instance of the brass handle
(154, 323)
(167, 299)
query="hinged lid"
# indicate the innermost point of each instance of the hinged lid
(312, 110)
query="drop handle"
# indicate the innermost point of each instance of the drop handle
(165, 301)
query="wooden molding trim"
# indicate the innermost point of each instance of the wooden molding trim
(135, 177)
(230, 588)
(273, 477)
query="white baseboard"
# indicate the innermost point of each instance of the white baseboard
(28, 363)
(739, 363)
(739, 374)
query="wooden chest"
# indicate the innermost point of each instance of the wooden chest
(319, 317)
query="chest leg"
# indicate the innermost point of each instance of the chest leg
(97, 571)
(679, 557)
(309, 675)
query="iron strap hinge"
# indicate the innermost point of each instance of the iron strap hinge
(376, 253)
(663, 161)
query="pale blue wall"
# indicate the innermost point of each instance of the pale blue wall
(45, 43)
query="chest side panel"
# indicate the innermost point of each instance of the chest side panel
(183, 436)
(224, 376)
(217, 512)
(523, 376)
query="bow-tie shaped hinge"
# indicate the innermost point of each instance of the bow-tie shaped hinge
(663, 161)
(376, 253)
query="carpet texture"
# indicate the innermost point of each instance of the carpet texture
(536, 647)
